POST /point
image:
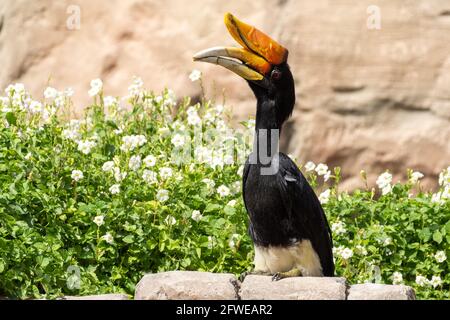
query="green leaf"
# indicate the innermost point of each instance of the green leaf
(211, 207)
(437, 237)
(447, 227)
(199, 252)
(425, 234)
(45, 262)
(2, 266)
(229, 211)
(128, 239)
(12, 119)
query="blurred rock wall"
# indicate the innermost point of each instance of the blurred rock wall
(373, 82)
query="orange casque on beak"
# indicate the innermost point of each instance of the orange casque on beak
(252, 62)
(255, 40)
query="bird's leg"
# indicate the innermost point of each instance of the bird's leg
(253, 273)
(289, 274)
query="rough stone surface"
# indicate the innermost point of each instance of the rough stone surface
(99, 297)
(371, 291)
(187, 286)
(367, 99)
(302, 288)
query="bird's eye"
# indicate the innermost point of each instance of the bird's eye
(276, 74)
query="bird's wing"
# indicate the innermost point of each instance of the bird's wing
(305, 212)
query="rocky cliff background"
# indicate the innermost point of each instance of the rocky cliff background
(368, 98)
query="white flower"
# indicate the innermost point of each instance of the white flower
(178, 140)
(150, 161)
(60, 100)
(209, 117)
(203, 155)
(35, 107)
(71, 134)
(236, 187)
(77, 175)
(136, 88)
(310, 166)
(108, 238)
(195, 75)
(232, 203)
(165, 173)
(233, 239)
(321, 169)
(436, 281)
(108, 166)
(219, 109)
(338, 228)
(416, 176)
(386, 190)
(210, 183)
(437, 198)
(387, 241)
(421, 280)
(28, 156)
(15, 89)
(170, 220)
(327, 176)
(361, 250)
(135, 163)
(86, 146)
(384, 181)
(99, 220)
(6, 109)
(118, 175)
(69, 92)
(196, 215)
(96, 87)
(164, 132)
(210, 242)
(223, 191)
(444, 178)
(50, 93)
(191, 111)
(162, 195)
(228, 159)
(129, 143)
(115, 189)
(240, 171)
(440, 256)
(109, 101)
(149, 176)
(194, 120)
(325, 196)
(397, 278)
(346, 253)
(217, 162)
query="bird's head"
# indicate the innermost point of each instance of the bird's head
(262, 62)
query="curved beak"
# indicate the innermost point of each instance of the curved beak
(254, 61)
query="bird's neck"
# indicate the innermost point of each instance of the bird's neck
(267, 131)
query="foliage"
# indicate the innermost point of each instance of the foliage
(88, 206)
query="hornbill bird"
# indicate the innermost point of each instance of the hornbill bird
(288, 226)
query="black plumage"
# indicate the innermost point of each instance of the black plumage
(283, 208)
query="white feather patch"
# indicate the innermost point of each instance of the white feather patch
(300, 255)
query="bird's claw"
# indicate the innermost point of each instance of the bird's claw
(277, 277)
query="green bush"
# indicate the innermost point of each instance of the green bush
(88, 206)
